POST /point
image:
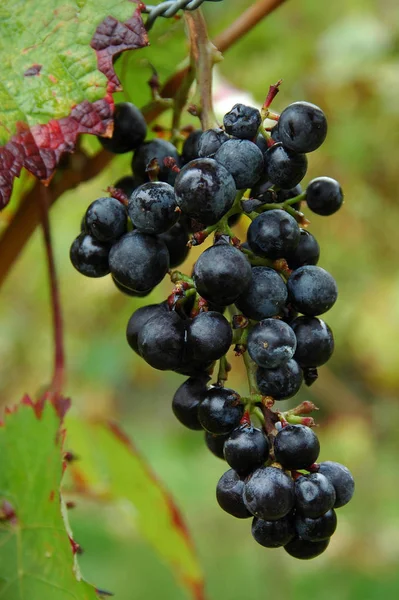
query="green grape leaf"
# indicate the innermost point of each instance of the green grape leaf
(37, 552)
(58, 78)
(111, 468)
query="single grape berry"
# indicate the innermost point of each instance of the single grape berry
(190, 146)
(246, 449)
(127, 184)
(152, 207)
(324, 196)
(302, 127)
(139, 261)
(280, 383)
(262, 191)
(129, 132)
(138, 319)
(283, 167)
(209, 336)
(187, 399)
(243, 160)
(229, 495)
(161, 341)
(215, 443)
(273, 534)
(265, 296)
(271, 343)
(296, 447)
(128, 291)
(106, 219)
(307, 252)
(314, 495)
(242, 121)
(314, 530)
(342, 480)
(176, 239)
(273, 234)
(210, 142)
(221, 274)
(89, 256)
(220, 411)
(158, 150)
(312, 290)
(305, 550)
(315, 341)
(269, 493)
(205, 190)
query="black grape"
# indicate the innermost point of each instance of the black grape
(305, 550)
(283, 167)
(280, 383)
(152, 207)
(324, 196)
(176, 239)
(209, 336)
(271, 343)
(129, 132)
(273, 534)
(242, 121)
(302, 127)
(187, 399)
(106, 219)
(246, 449)
(190, 146)
(205, 190)
(269, 493)
(159, 150)
(138, 319)
(220, 411)
(265, 296)
(89, 256)
(315, 341)
(243, 160)
(307, 252)
(314, 495)
(161, 341)
(312, 290)
(342, 480)
(314, 530)
(215, 443)
(210, 142)
(296, 447)
(229, 495)
(273, 233)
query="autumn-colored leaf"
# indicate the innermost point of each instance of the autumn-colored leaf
(111, 468)
(37, 551)
(58, 78)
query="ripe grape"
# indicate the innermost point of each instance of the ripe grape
(187, 399)
(273, 534)
(159, 150)
(302, 127)
(269, 493)
(243, 160)
(342, 480)
(246, 449)
(90, 256)
(314, 495)
(283, 167)
(229, 495)
(152, 207)
(315, 341)
(265, 296)
(280, 383)
(242, 121)
(220, 411)
(312, 290)
(273, 234)
(129, 132)
(271, 343)
(324, 196)
(296, 447)
(106, 219)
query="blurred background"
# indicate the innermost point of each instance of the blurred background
(343, 56)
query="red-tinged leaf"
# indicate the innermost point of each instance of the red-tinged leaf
(37, 560)
(111, 468)
(58, 78)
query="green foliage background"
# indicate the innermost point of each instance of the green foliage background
(344, 57)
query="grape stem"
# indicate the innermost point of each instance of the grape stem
(250, 366)
(224, 368)
(58, 379)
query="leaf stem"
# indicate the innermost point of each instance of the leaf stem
(58, 380)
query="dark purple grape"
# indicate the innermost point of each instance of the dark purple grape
(273, 534)
(229, 495)
(138, 319)
(302, 127)
(269, 493)
(106, 219)
(215, 443)
(324, 196)
(89, 256)
(190, 146)
(315, 341)
(305, 550)
(161, 341)
(221, 274)
(210, 142)
(242, 121)
(283, 167)
(246, 449)
(312, 290)
(273, 234)
(220, 411)
(159, 150)
(139, 261)
(314, 495)
(129, 132)
(205, 190)
(243, 160)
(152, 207)
(296, 447)
(307, 252)
(187, 399)
(209, 336)
(265, 296)
(271, 343)
(342, 480)
(280, 383)
(315, 530)
(176, 239)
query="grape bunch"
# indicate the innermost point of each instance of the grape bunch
(270, 284)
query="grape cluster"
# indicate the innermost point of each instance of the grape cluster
(270, 284)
